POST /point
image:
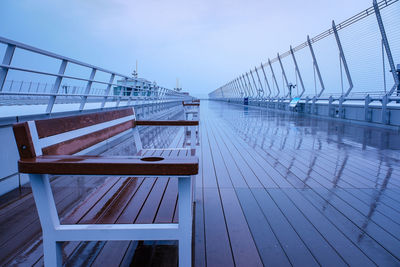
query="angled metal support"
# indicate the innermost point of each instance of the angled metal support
(232, 89)
(255, 85)
(284, 75)
(266, 81)
(241, 79)
(87, 90)
(109, 85)
(259, 81)
(315, 63)
(343, 58)
(6, 61)
(237, 88)
(274, 78)
(387, 49)
(297, 72)
(56, 86)
(242, 93)
(249, 84)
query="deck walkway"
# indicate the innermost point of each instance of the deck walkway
(273, 189)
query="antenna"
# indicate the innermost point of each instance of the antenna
(135, 72)
(177, 85)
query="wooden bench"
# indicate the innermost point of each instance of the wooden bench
(58, 146)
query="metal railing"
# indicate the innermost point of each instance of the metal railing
(352, 61)
(68, 83)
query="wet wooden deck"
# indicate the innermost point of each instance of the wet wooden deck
(273, 189)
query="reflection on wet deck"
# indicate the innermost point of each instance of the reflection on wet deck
(273, 189)
(311, 191)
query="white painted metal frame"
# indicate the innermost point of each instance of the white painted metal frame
(146, 92)
(55, 233)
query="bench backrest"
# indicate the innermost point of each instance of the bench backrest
(73, 134)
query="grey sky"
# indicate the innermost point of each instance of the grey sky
(204, 43)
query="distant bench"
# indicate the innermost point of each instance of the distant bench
(58, 146)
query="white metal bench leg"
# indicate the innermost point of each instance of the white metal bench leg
(185, 221)
(48, 217)
(52, 253)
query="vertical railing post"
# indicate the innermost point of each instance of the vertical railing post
(6, 61)
(367, 116)
(314, 105)
(330, 106)
(87, 90)
(108, 89)
(341, 109)
(298, 72)
(316, 67)
(343, 58)
(56, 86)
(388, 51)
(385, 114)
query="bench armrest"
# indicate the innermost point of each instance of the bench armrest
(107, 165)
(168, 123)
(191, 104)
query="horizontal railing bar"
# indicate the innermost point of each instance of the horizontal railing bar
(363, 14)
(81, 95)
(70, 77)
(57, 56)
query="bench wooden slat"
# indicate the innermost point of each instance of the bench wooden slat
(56, 126)
(149, 210)
(134, 206)
(165, 213)
(115, 209)
(104, 165)
(75, 145)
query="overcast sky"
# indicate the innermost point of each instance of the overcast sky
(204, 43)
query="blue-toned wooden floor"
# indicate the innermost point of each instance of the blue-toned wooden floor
(284, 190)
(276, 189)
